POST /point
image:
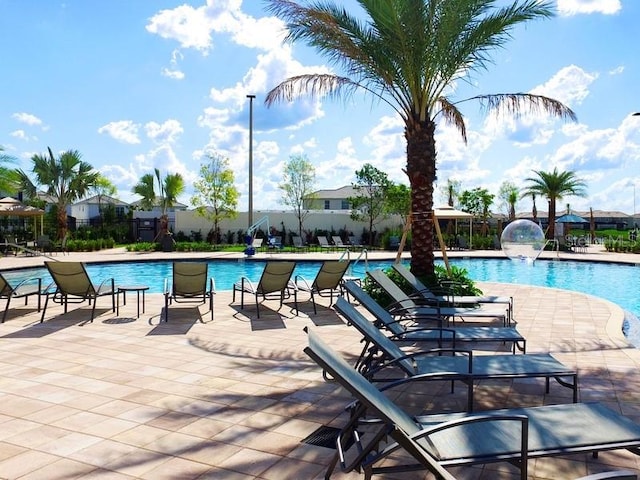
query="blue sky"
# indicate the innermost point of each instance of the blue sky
(135, 85)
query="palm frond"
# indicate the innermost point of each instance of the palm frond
(518, 104)
(453, 116)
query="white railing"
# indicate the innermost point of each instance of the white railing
(363, 253)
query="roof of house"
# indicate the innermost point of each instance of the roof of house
(156, 203)
(336, 193)
(101, 199)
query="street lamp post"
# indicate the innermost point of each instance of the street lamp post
(250, 213)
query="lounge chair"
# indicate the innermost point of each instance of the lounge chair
(23, 289)
(324, 243)
(455, 300)
(274, 283)
(394, 242)
(399, 330)
(73, 285)
(354, 243)
(328, 281)
(44, 244)
(189, 284)
(62, 245)
(406, 305)
(298, 244)
(443, 440)
(338, 243)
(257, 243)
(449, 364)
(275, 243)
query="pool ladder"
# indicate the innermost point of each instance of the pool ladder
(347, 253)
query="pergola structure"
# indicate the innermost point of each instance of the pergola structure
(10, 207)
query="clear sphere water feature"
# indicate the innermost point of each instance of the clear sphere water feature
(522, 240)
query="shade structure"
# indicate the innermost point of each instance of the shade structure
(571, 218)
(447, 212)
(10, 207)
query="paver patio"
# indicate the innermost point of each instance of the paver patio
(124, 398)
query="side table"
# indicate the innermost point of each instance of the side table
(123, 289)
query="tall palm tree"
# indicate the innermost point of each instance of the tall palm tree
(554, 186)
(169, 188)
(66, 179)
(408, 53)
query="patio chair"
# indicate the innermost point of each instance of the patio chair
(435, 442)
(275, 243)
(274, 283)
(73, 285)
(380, 354)
(23, 289)
(338, 243)
(399, 330)
(324, 243)
(405, 305)
(190, 284)
(354, 242)
(328, 281)
(298, 244)
(452, 299)
(62, 245)
(44, 244)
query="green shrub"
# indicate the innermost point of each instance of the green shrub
(441, 282)
(143, 247)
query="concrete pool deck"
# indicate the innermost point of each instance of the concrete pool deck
(126, 398)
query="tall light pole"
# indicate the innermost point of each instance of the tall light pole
(250, 216)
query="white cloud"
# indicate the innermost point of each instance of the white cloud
(617, 71)
(164, 133)
(604, 149)
(27, 118)
(193, 27)
(570, 85)
(21, 134)
(174, 74)
(124, 131)
(575, 7)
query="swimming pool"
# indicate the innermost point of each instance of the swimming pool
(618, 283)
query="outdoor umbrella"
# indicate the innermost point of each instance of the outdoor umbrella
(569, 218)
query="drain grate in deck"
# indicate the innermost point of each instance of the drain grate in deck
(323, 437)
(326, 437)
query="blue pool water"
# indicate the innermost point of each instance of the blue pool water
(615, 282)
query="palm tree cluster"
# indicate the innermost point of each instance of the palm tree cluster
(66, 178)
(169, 188)
(554, 186)
(408, 54)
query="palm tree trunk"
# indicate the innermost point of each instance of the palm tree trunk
(62, 221)
(421, 170)
(551, 231)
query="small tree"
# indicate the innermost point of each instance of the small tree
(509, 194)
(477, 202)
(65, 178)
(398, 201)
(170, 187)
(103, 188)
(554, 186)
(216, 195)
(371, 193)
(298, 186)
